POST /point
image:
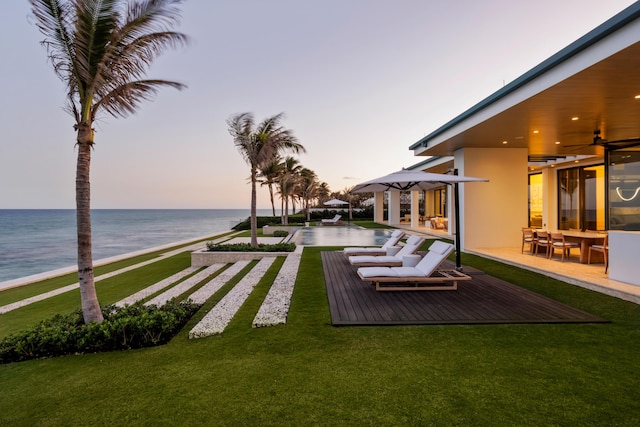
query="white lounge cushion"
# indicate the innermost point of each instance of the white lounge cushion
(382, 259)
(427, 265)
(392, 241)
(440, 247)
(407, 272)
(376, 272)
(413, 243)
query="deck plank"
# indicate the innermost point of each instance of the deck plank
(482, 300)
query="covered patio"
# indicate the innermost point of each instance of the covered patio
(575, 114)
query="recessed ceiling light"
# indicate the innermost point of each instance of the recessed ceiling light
(557, 142)
(505, 142)
(574, 118)
(637, 97)
(575, 161)
(536, 131)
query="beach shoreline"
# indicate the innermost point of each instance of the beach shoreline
(26, 280)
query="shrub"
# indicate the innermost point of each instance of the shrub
(262, 221)
(246, 247)
(295, 219)
(280, 233)
(133, 326)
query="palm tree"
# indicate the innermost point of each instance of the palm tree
(259, 145)
(287, 183)
(324, 193)
(101, 50)
(269, 174)
(308, 188)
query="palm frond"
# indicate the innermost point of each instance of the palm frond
(124, 99)
(55, 21)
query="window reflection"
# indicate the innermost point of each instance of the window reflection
(624, 189)
(535, 200)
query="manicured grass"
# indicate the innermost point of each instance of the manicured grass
(311, 373)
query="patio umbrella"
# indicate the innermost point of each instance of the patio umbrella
(412, 180)
(335, 202)
(338, 202)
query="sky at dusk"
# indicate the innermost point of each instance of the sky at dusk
(359, 81)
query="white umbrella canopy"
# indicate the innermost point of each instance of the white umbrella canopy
(335, 202)
(412, 180)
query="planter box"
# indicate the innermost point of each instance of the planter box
(203, 257)
(269, 229)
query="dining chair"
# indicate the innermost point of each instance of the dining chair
(528, 238)
(558, 241)
(604, 248)
(542, 239)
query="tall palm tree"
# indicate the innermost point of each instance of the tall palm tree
(101, 49)
(269, 174)
(259, 145)
(308, 189)
(287, 184)
(324, 193)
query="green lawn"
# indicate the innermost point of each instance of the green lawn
(311, 373)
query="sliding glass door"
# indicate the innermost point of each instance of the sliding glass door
(581, 198)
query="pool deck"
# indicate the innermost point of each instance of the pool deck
(589, 276)
(482, 300)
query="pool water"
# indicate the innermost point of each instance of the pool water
(340, 236)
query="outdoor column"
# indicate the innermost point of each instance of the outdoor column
(493, 213)
(549, 199)
(415, 209)
(394, 207)
(378, 207)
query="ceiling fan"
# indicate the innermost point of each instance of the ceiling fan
(609, 145)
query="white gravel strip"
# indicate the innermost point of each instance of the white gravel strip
(181, 288)
(275, 307)
(36, 298)
(150, 290)
(9, 307)
(219, 317)
(204, 293)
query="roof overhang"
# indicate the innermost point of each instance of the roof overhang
(554, 109)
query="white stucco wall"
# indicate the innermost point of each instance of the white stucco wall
(493, 213)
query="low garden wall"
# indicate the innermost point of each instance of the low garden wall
(269, 229)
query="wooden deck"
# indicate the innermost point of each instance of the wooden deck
(483, 300)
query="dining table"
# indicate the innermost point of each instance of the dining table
(586, 239)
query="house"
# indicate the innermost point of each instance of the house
(560, 146)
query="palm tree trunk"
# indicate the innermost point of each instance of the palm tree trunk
(254, 219)
(88, 297)
(273, 206)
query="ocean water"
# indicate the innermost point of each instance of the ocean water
(36, 241)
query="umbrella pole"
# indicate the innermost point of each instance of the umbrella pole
(456, 208)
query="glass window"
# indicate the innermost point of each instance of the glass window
(569, 195)
(440, 202)
(581, 193)
(594, 198)
(535, 200)
(624, 189)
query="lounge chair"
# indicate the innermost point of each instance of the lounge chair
(382, 250)
(333, 221)
(421, 277)
(410, 248)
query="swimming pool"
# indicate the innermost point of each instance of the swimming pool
(340, 236)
